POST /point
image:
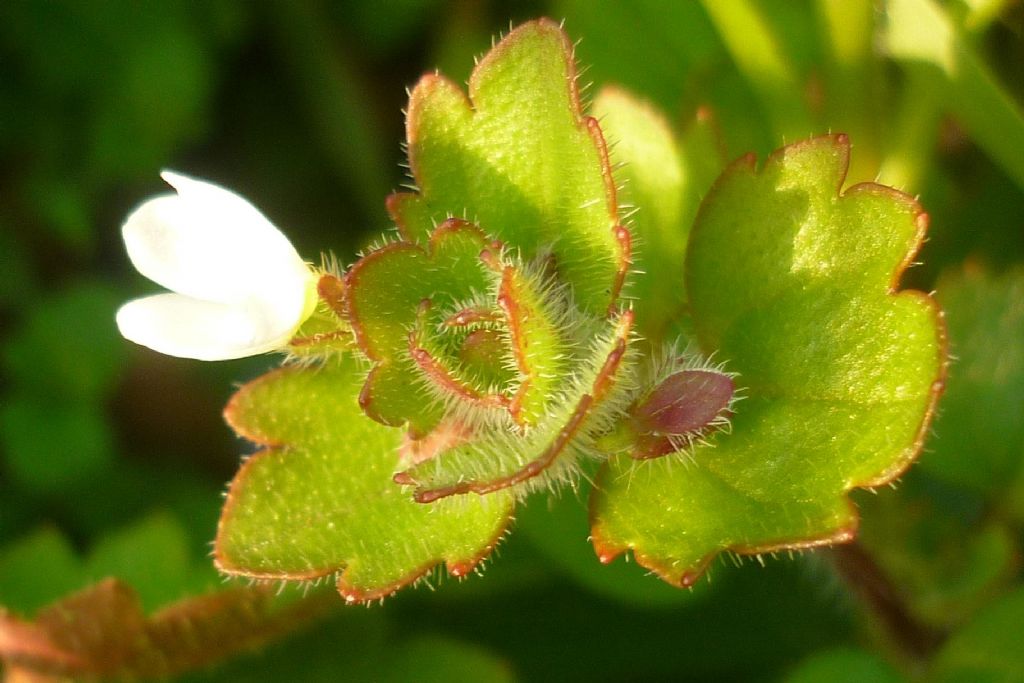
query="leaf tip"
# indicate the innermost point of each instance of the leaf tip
(331, 289)
(606, 551)
(689, 578)
(461, 569)
(235, 411)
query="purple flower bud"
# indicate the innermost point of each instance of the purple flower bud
(683, 405)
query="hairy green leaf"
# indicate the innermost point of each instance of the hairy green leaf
(319, 499)
(593, 397)
(519, 158)
(792, 285)
(655, 180)
(388, 290)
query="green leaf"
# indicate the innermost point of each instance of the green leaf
(385, 291)
(519, 158)
(54, 446)
(980, 437)
(595, 395)
(654, 179)
(558, 527)
(988, 649)
(792, 286)
(152, 556)
(320, 500)
(24, 587)
(663, 179)
(68, 348)
(537, 326)
(414, 310)
(843, 665)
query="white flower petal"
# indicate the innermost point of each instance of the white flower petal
(208, 243)
(182, 326)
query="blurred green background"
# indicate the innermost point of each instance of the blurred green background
(113, 459)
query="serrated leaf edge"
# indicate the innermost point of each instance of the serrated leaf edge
(455, 567)
(429, 81)
(846, 532)
(351, 281)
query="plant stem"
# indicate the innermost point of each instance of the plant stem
(861, 572)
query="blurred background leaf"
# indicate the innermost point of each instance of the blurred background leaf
(844, 665)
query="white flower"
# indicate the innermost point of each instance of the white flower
(239, 288)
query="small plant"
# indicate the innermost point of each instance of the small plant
(729, 382)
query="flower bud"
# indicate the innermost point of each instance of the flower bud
(685, 406)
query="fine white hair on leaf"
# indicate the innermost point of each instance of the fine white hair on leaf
(511, 450)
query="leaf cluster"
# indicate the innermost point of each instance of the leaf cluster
(111, 460)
